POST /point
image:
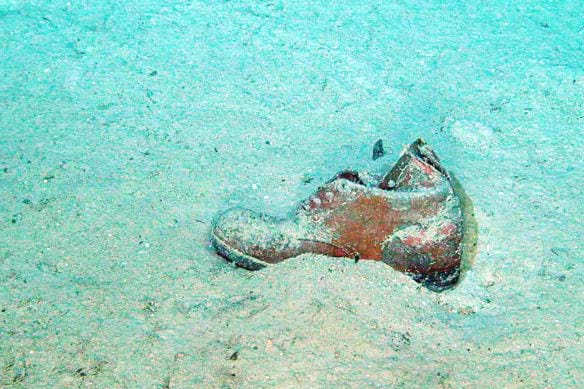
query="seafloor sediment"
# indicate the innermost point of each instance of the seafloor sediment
(125, 126)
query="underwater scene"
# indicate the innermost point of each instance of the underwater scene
(291, 194)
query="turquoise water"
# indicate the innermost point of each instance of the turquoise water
(126, 126)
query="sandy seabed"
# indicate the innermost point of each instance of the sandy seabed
(126, 126)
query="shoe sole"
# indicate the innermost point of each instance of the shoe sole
(437, 281)
(237, 257)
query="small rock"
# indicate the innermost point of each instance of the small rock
(269, 345)
(378, 151)
(306, 179)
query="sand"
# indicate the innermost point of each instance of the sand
(126, 126)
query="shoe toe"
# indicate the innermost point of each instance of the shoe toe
(230, 225)
(232, 238)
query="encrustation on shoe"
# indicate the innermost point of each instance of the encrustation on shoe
(411, 219)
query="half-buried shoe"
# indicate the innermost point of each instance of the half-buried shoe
(411, 220)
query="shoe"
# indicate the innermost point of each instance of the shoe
(411, 219)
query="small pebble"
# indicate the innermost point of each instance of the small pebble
(378, 151)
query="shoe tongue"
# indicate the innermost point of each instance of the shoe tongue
(425, 153)
(418, 167)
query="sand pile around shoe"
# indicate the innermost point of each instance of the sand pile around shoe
(315, 320)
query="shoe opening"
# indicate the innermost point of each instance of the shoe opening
(351, 176)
